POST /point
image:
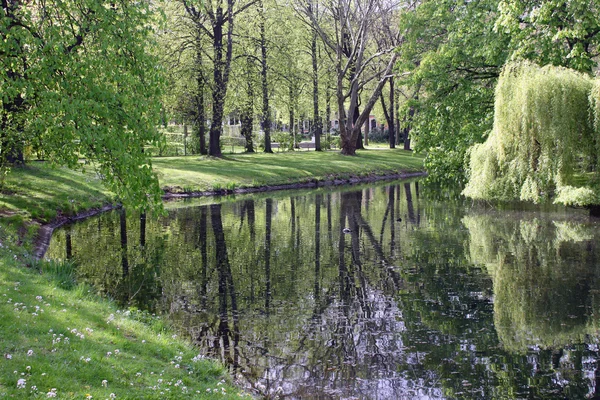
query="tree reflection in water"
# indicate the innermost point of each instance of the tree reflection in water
(421, 297)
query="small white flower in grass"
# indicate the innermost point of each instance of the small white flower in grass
(38, 298)
(33, 388)
(104, 383)
(88, 396)
(113, 396)
(29, 353)
(109, 354)
(28, 368)
(143, 341)
(138, 374)
(176, 365)
(51, 393)
(117, 351)
(21, 384)
(8, 356)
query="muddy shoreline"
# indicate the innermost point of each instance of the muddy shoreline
(44, 235)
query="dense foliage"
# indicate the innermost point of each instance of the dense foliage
(455, 51)
(534, 152)
(78, 80)
(454, 57)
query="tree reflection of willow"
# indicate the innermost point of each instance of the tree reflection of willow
(545, 276)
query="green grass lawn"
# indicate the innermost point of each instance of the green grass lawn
(38, 191)
(41, 192)
(58, 338)
(260, 169)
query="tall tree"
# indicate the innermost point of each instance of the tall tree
(453, 57)
(389, 114)
(78, 79)
(318, 124)
(216, 21)
(266, 111)
(348, 29)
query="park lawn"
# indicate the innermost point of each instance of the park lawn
(41, 192)
(72, 342)
(250, 170)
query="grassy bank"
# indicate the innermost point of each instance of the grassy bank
(59, 338)
(40, 192)
(248, 170)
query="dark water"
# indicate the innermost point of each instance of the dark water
(421, 296)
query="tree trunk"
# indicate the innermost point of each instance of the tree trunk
(367, 129)
(247, 114)
(328, 112)
(11, 124)
(359, 138)
(317, 119)
(411, 113)
(200, 115)
(349, 145)
(391, 128)
(389, 115)
(266, 113)
(219, 89)
(292, 103)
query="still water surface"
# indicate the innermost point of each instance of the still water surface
(391, 291)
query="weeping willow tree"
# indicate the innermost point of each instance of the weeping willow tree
(543, 144)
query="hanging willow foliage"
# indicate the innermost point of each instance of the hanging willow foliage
(543, 144)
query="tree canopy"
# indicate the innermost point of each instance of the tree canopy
(535, 152)
(78, 79)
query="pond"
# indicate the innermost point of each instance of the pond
(386, 291)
